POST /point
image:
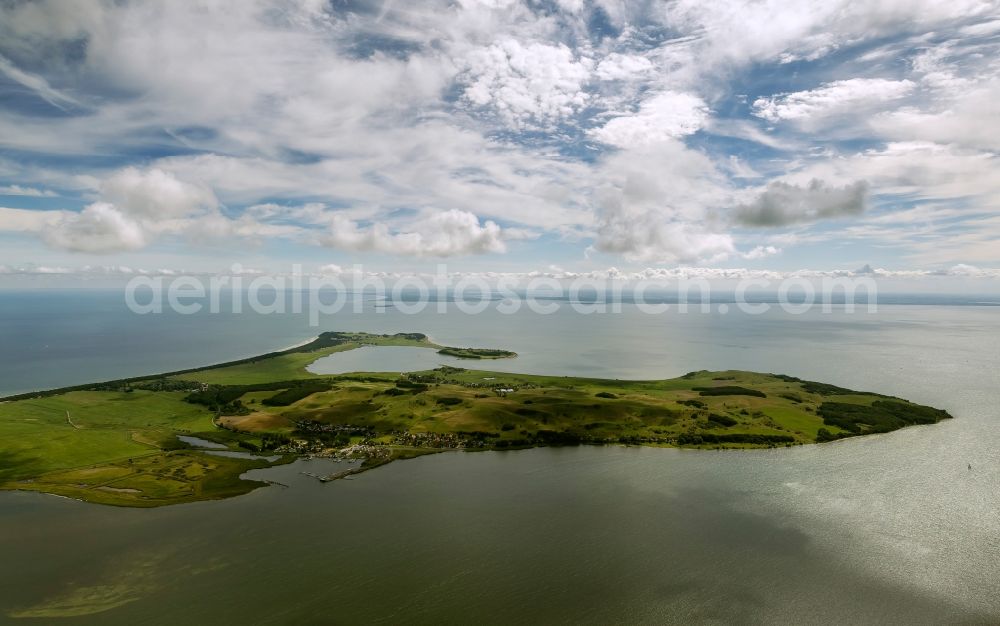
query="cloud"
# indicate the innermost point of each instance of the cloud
(18, 190)
(959, 271)
(967, 115)
(782, 204)
(749, 131)
(617, 66)
(155, 194)
(839, 97)
(730, 34)
(450, 233)
(738, 168)
(561, 121)
(648, 237)
(963, 269)
(914, 170)
(687, 272)
(656, 205)
(331, 269)
(526, 84)
(136, 206)
(665, 116)
(37, 84)
(761, 252)
(24, 220)
(99, 228)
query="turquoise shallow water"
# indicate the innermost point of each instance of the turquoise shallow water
(887, 529)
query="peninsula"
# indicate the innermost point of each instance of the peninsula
(117, 442)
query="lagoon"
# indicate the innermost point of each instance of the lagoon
(389, 359)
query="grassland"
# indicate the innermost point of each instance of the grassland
(116, 442)
(477, 353)
(115, 447)
(452, 407)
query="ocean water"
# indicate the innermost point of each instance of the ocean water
(892, 528)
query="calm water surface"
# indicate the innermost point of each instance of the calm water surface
(888, 529)
(390, 359)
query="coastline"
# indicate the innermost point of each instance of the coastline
(305, 342)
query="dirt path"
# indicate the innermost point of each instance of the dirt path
(70, 420)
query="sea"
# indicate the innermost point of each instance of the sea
(900, 528)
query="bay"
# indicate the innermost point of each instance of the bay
(892, 528)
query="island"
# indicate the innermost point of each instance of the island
(477, 353)
(189, 435)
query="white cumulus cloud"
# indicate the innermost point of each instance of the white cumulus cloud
(617, 66)
(665, 116)
(838, 97)
(448, 233)
(968, 116)
(525, 84)
(648, 236)
(99, 228)
(760, 252)
(155, 194)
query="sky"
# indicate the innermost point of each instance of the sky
(500, 136)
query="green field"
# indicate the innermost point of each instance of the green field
(477, 353)
(474, 408)
(116, 442)
(114, 447)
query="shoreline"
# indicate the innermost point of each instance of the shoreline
(298, 345)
